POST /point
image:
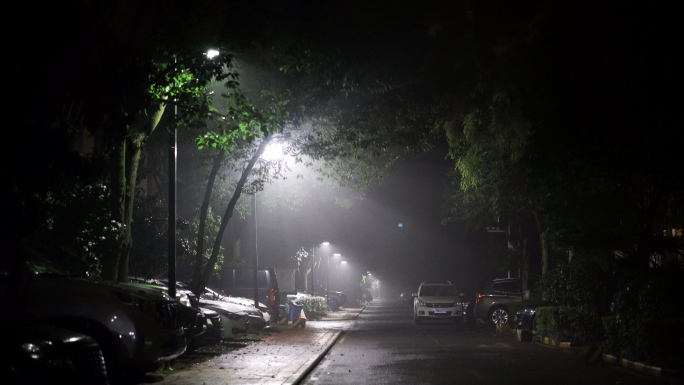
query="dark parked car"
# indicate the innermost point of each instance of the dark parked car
(202, 326)
(192, 318)
(336, 299)
(137, 328)
(34, 353)
(491, 302)
(214, 332)
(525, 318)
(239, 282)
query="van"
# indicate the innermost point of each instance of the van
(239, 282)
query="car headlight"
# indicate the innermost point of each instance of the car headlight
(38, 350)
(420, 302)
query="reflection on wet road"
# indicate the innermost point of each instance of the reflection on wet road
(384, 346)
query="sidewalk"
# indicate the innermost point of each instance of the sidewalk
(285, 356)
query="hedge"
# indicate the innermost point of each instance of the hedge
(569, 324)
(658, 342)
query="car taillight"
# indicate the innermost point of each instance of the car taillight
(479, 297)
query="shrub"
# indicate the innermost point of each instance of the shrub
(570, 324)
(646, 322)
(314, 307)
(580, 283)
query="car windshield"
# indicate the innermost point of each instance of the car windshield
(437, 291)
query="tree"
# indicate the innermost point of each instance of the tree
(588, 158)
(114, 82)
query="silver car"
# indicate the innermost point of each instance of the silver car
(437, 301)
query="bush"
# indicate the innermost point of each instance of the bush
(314, 307)
(580, 283)
(646, 322)
(569, 324)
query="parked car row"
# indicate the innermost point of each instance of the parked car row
(91, 331)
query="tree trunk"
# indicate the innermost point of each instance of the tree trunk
(199, 257)
(133, 154)
(115, 265)
(198, 287)
(525, 266)
(543, 244)
(110, 262)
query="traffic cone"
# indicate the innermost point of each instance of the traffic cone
(301, 321)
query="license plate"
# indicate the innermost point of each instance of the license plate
(440, 311)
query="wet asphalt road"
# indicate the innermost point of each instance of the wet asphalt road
(384, 346)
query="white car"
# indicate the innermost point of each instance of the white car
(437, 301)
(248, 305)
(235, 320)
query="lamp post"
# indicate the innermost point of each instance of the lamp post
(313, 267)
(327, 278)
(173, 171)
(255, 262)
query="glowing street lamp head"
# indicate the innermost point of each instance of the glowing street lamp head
(212, 53)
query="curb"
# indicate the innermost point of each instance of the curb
(318, 359)
(611, 359)
(325, 351)
(549, 341)
(350, 318)
(640, 367)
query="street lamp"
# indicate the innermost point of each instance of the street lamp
(173, 167)
(327, 277)
(313, 267)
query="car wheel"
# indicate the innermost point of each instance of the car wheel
(498, 315)
(333, 304)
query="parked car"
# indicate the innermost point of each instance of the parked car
(137, 328)
(437, 301)
(192, 318)
(258, 317)
(214, 332)
(336, 299)
(234, 319)
(239, 282)
(35, 353)
(491, 302)
(210, 319)
(248, 304)
(525, 318)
